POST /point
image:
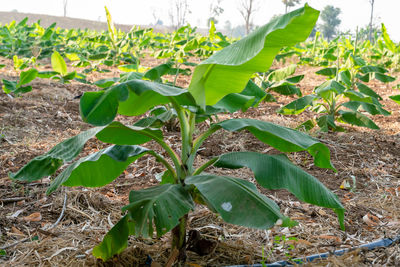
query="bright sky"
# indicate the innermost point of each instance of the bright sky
(354, 12)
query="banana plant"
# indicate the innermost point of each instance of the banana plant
(60, 71)
(21, 86)
(344, 97)
(165, 207)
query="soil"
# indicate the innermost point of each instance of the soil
(366, 160)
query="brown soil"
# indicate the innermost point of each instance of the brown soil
(38, 120)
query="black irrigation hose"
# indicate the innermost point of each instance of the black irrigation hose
(385, 242)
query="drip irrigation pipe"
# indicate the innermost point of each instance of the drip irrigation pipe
(385, 242)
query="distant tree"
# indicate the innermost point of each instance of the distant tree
(329, 16)
(178, 12)
(65, 2)
(290, 3)
(247, 9)
(215, 11)
(228, 28)
(372, 2)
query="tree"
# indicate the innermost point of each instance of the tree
(215, 11)
(290, 3)
(178, 12)
(247, 9)
(372, 2)
(65, 2)
(330, 18)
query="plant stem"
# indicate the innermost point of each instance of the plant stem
(179, 238)
(205, 166)
(199, 141)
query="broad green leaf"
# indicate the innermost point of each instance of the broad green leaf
(119, 134)
(367, 90)
(295, 79)
(330, 72)
(58, 63)
(356, 118)
(357, 96)
(157, 72)
(345, 77)
(23, 89)
(48, 164)
(104, 83)
(286, 88)
(384, 78)
(282, 138)
(143, 95)
(329, 89)
(9, 86)
(281, 74)
(369, 69)
(100, 108)
(100, 168)
(368, 107)
(306, 126)
(395, 98)
(297, 106)
(27, 76)
(46, 74)
(238, 201)
(116, 240)
(234, 102)
(229, 70)
(278, 172)
(161, 205)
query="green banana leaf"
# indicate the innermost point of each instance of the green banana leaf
(278, 172)
(238, 201)
(229, 70)
(282, 138)
(161, 205)
(100, 168)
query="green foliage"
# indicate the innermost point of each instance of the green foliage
(163, 208)
(19, 87)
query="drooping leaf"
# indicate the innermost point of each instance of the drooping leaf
(286, 88)
(368, 107)
(161, 205)
(356, 118)
(329, 88)
(229, 70)
(383, 77)
(367, 90)
(330, 72)
(369, 69)
(104, 83)
(281, 74)
(297, 106)
(100, 168)
(278, 172)
(238, 201)
(345, 77)
(282, 138)
(119, 134)
(116, 240)
(48, 164)
(395, 98)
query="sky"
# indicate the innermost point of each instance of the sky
(353, 12)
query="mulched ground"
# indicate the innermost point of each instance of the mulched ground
(365, 159)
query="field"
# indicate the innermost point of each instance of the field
(62, 228)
